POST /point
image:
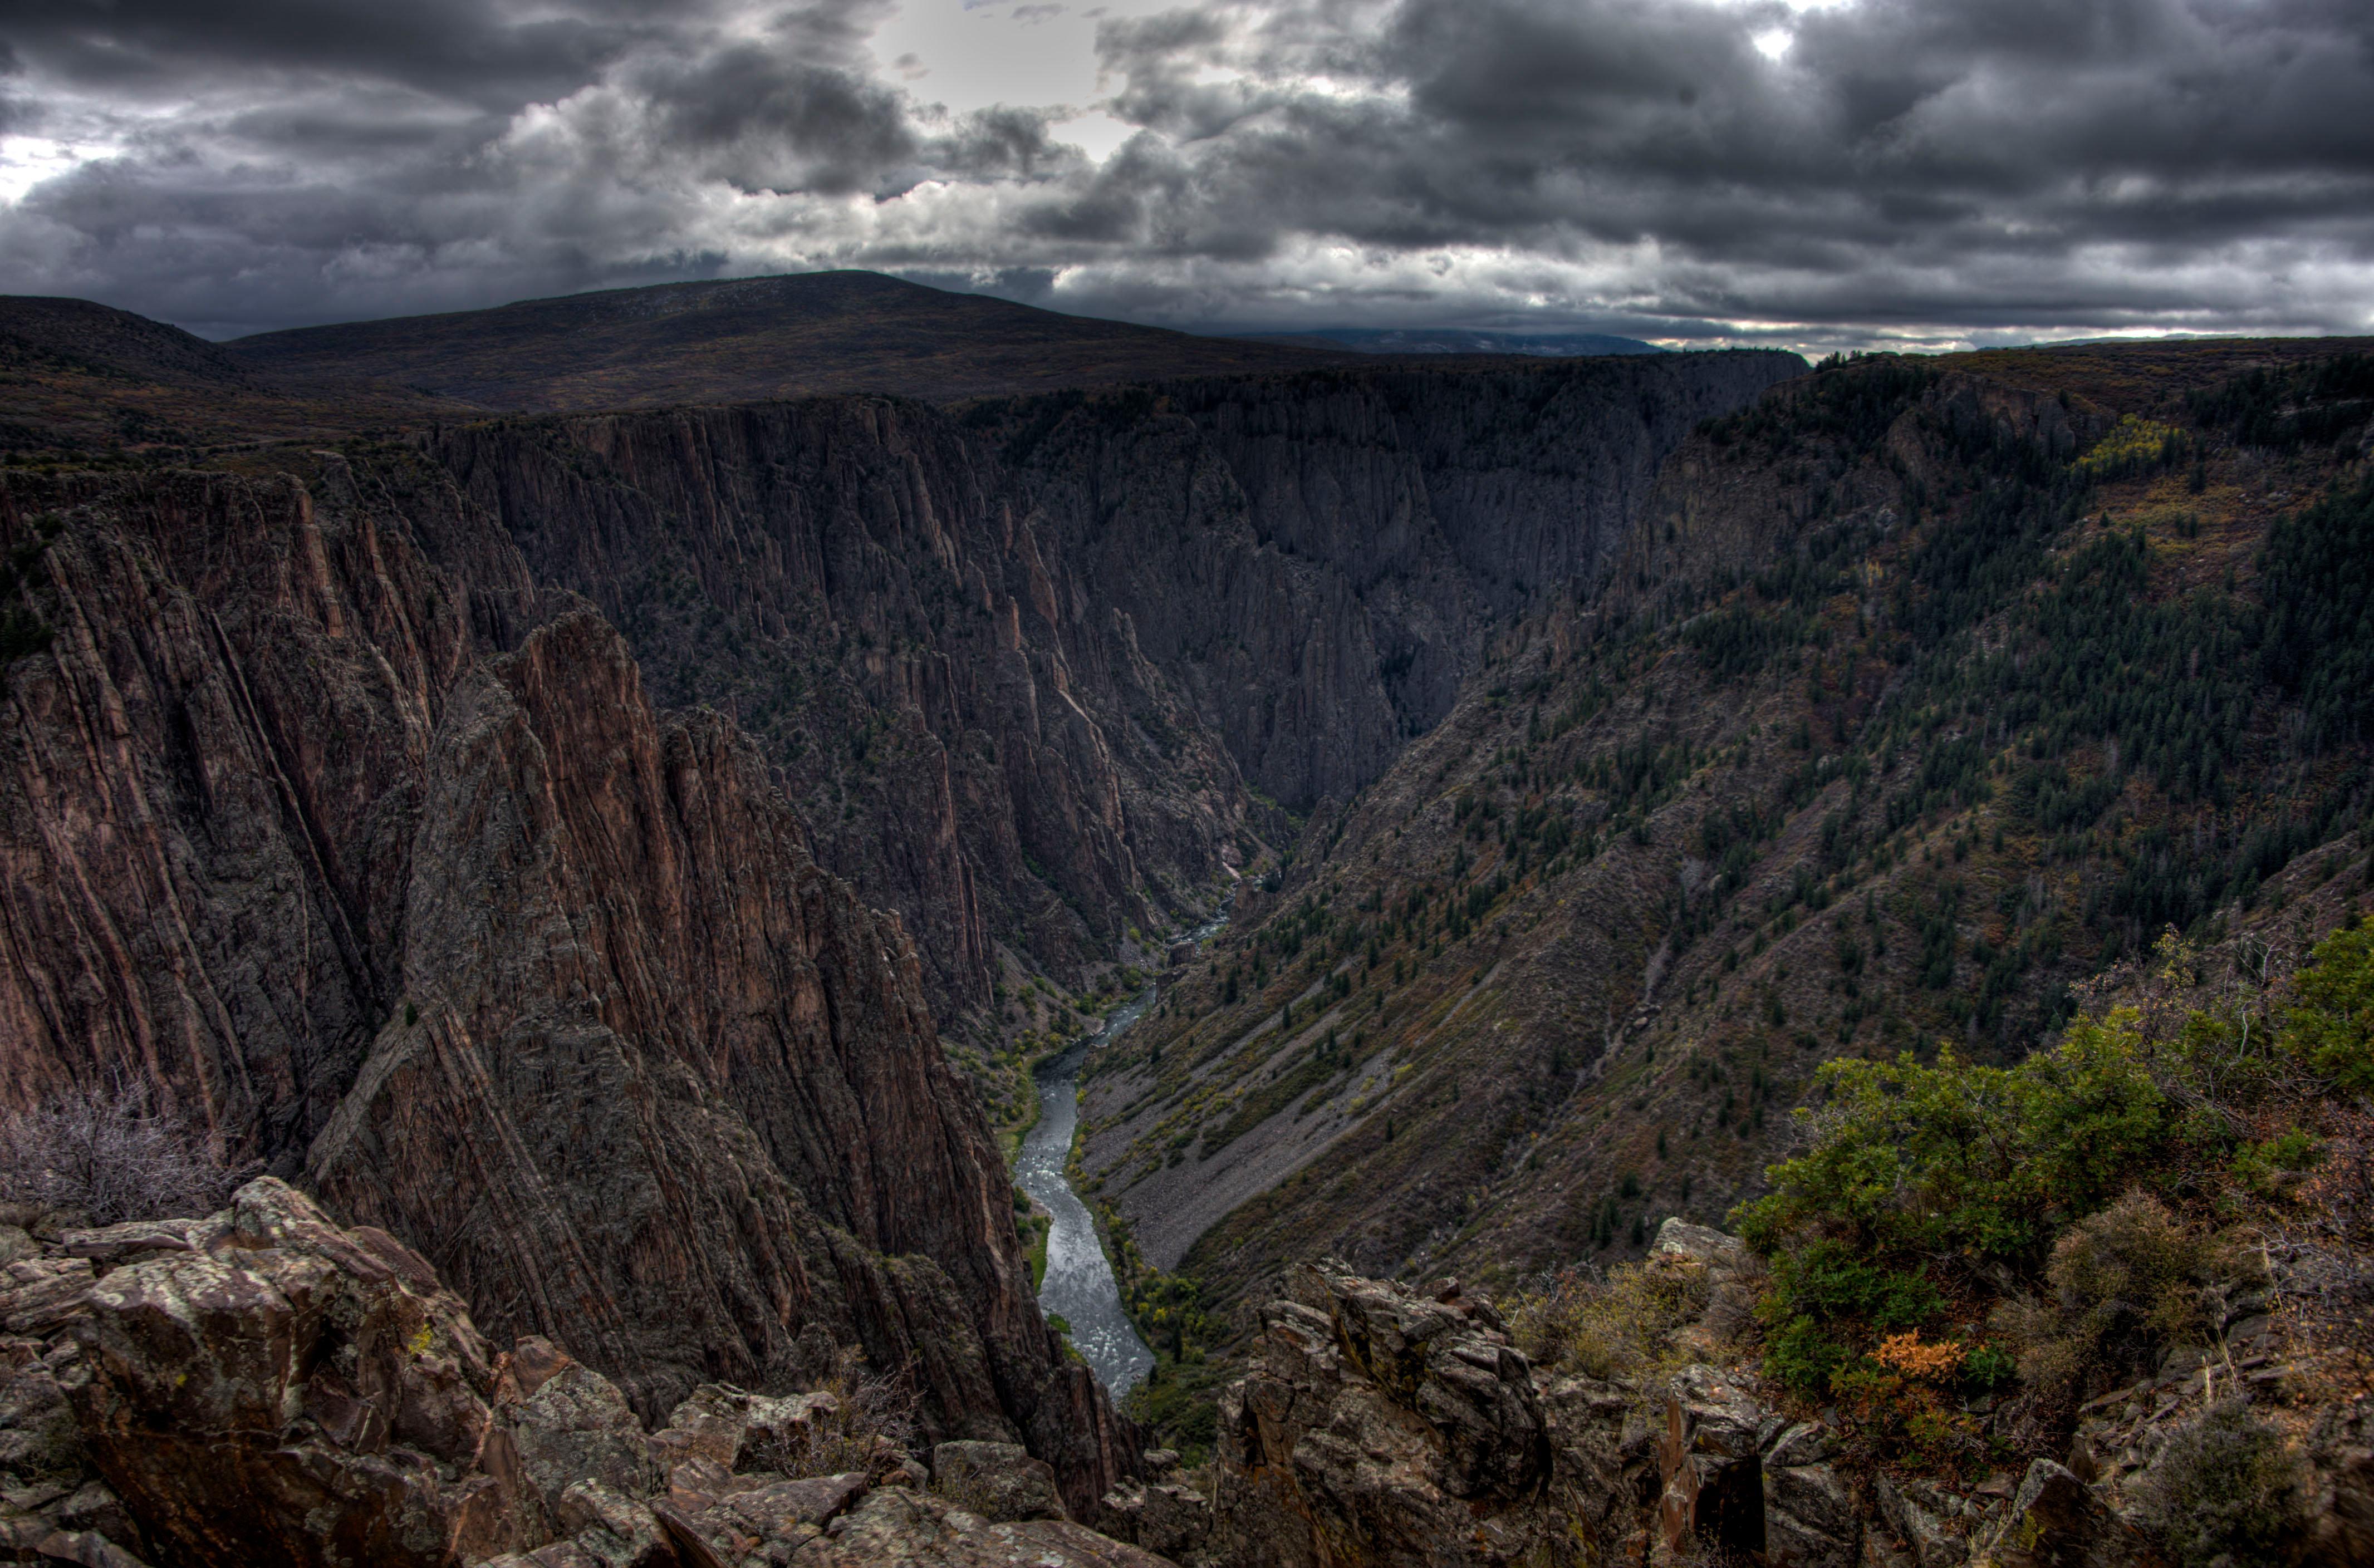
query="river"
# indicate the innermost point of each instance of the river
(1079, 1286)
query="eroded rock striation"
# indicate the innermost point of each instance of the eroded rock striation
(374, 859)
(1017, 666)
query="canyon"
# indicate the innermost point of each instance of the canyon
(625, 850)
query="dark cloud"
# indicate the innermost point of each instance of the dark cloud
(1931, 170)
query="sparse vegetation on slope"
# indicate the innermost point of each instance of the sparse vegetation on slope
(1913, 710)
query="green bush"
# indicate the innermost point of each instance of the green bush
(2123, 1285)
(2332, 1029)
(1930, 1195)
(1927, 1182)
(1986, 1163)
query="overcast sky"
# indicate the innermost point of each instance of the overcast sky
(1926, 172)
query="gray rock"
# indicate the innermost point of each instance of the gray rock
(1388, 1426)
(1000, 1481)
(1700, 1244)
(1166, 1518)
(2056, 1521)
(1711, 1461)
(1812, 1518)
(576, 1427)
(898, 1526)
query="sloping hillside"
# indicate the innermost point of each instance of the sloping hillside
(1925, 693)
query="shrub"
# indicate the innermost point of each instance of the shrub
(1968, 1168)
(1984, 1163)
(2332, 1029)
(2125, 1285)
(105, 1157)
(1898, 1397)
(867, 1427)
(1574, 1321)
(2225, 1493)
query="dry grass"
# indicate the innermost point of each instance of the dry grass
(868, 1427)
(1574, 1321)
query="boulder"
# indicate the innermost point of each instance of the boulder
(617, 1531)
(2056, 1521)
(899, 1526)
(1166, 1517)
(1000, 1481)
(293, 1393)
(1932, 1523)
(575, 1427)
(766, 1521)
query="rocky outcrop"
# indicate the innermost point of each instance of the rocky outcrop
(997, 1480)
(1163, 1514)
(1383, 1427)
(262, 1387)
(1377, 1425)
(378, 864)
(257, 1388)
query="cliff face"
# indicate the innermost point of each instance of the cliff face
(972, 735)
(1317, 556)
(1015, 667)
(316, 814)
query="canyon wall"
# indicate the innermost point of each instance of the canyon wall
(1017, 665)
(457, 825)
(375, 860)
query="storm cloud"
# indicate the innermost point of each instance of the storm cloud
(1871, 172)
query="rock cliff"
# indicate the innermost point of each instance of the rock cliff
(1017, 665)
(377, 862)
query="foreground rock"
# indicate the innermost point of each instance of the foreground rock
(1384, 1428)
(1377, 1425)
(265, 1388)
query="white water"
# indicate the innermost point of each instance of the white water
(1079, 1284)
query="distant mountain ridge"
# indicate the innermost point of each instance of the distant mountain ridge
(746, 339)
(1458, 340)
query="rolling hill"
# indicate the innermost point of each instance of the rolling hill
(747, 339)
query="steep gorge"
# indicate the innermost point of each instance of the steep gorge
(1017, 665)
(374, 859)
(1922, 694)
(336, 809)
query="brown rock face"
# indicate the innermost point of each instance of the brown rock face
(302, 821)
(971, 737)
(1382, 1427)
(283, 1392)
